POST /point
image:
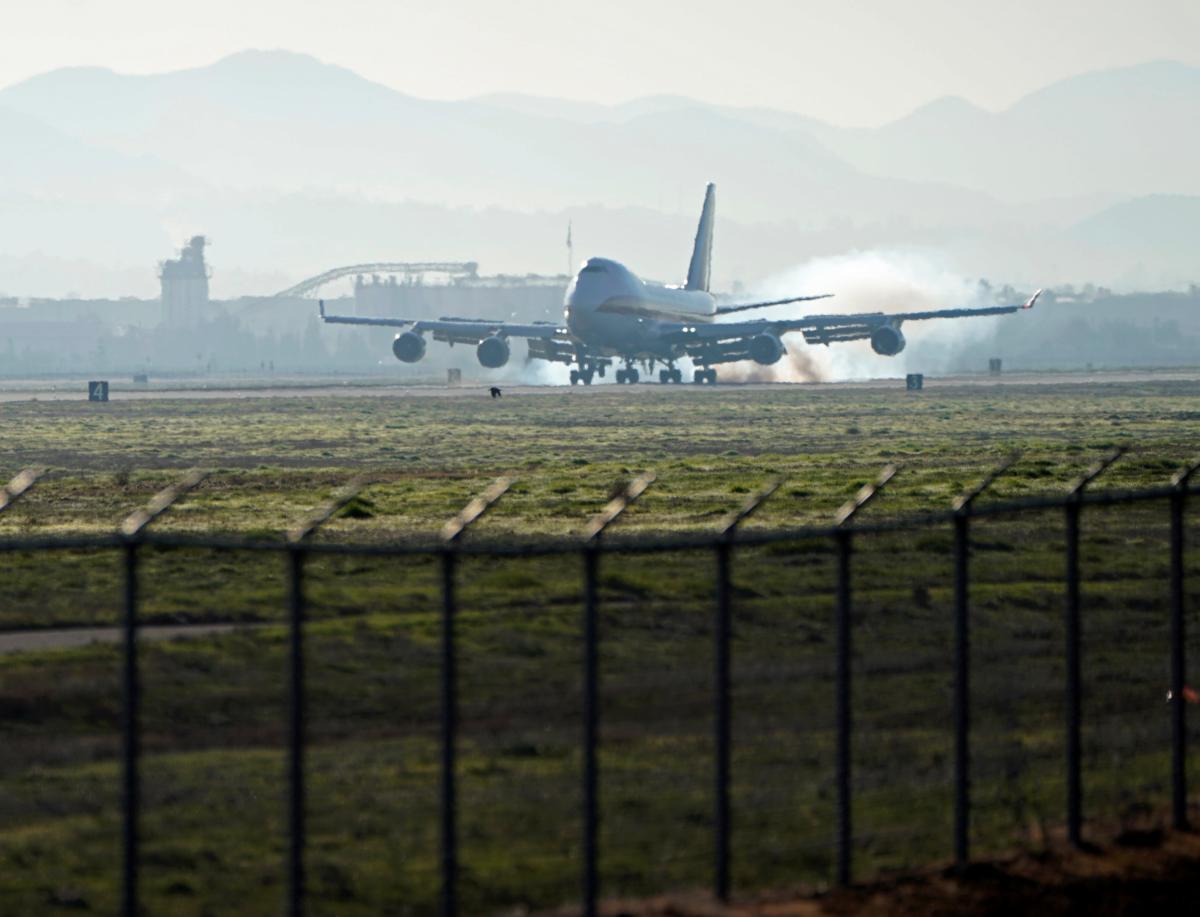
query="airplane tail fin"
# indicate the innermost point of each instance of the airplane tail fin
(698, 270)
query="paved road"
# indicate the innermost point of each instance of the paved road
(70, 638)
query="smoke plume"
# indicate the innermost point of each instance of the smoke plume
(873, 281)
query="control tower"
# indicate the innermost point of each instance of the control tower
(185, 285)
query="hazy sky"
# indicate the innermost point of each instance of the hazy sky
(851, 62)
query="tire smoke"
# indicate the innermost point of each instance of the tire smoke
(871, 281)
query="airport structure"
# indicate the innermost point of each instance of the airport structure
(185, 330)
(185, 285)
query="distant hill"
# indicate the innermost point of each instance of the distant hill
(294, 165)
(286, 122)
(1168, 223)
(1129, 131)
(1155, 236)
(36, 160)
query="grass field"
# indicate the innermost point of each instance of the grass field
(214, 713)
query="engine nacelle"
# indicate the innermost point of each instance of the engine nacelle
(887, 340)
(493, 352)
(766, 349)
(409, 347)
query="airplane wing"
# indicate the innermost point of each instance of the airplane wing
(827, 329)
(455, 330)
(742, 307)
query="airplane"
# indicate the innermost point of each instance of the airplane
(609, 314)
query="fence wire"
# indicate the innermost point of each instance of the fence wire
(476, 727)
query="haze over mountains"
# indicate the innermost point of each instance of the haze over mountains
(294, 166)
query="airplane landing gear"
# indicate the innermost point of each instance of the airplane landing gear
(666, 376)
(581, 375)
(705, 375)
(629, 375)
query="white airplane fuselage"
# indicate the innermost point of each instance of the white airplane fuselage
(616, 311)
(612, 314)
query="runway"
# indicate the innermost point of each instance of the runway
(371, 387)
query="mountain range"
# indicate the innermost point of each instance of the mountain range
(295, 165)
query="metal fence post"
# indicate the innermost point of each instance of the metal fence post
(1179, 803)
(843, 751)
(722, 726)
(962, 691)
(452, 533)
(591, 684)
(11, 492)
(1074, 677)
(296, 732)
(962, 662)
(297, 538)
(449, 740)
(591, 718)
(130, 708)
(1179, 818)
(723, 692)
(131, 530)
(844, 712)
(1074, 687)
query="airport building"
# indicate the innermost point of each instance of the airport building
(463, 294)
(185, 330)
(184, 284)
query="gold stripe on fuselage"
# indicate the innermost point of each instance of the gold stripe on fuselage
(641, 308)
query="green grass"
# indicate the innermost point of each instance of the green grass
(215, 711)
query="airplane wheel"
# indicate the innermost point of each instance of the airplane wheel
(574, 377)
(621, 376)
(586, 377)
(676, 376)
(712, 377)
(698, 377)
(632, 376)
(664, 376)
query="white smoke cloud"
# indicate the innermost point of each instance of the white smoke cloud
(542, 372)
(872, 281)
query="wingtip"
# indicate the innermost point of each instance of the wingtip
(1032, 299)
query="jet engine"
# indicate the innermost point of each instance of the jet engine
(887, 340)
(409, 347)
(766, 349)
(493, 352)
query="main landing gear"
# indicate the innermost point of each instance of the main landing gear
(581, 375)
(627, 375)
(666, 376)
(705, 375)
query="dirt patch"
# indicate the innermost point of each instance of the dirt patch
(1159, 873)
